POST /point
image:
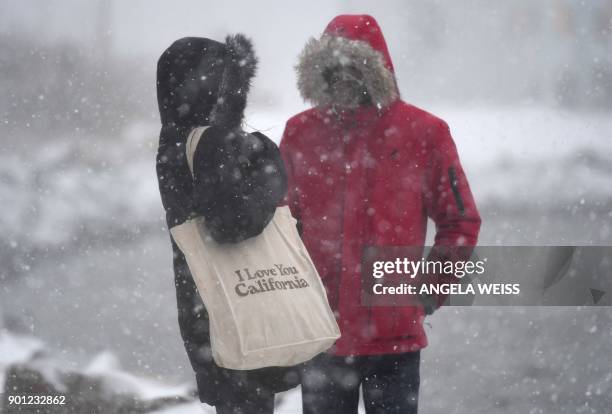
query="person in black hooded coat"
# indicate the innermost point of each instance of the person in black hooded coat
(239, 180)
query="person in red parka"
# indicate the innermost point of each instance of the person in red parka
(366, 168)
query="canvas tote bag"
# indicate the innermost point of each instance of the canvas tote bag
(266, 303)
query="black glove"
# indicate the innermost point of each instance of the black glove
(429, 303)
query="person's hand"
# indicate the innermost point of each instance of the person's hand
(429, 303)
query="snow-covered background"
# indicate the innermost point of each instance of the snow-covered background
(85, 259)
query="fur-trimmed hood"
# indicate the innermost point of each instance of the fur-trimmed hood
(354, 40)
(204, 82)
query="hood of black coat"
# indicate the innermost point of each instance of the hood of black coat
(239, 177)
(204, 82)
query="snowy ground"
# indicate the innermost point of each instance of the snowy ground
(86, 261)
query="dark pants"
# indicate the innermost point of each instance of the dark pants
(254, 404)
(390, 383)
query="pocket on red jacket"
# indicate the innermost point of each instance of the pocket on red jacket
(396, 322)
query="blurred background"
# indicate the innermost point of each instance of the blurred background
(85, 258)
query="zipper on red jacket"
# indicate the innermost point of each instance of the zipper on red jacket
(339, 292)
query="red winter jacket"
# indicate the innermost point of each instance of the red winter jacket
(370, 176)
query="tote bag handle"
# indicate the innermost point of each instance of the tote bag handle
(192, 144)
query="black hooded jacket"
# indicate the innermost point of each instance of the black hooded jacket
(202, 82)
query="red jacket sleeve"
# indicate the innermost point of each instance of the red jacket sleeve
(449, 203)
